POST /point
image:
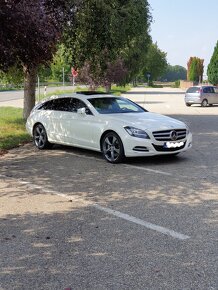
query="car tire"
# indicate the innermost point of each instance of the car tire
(188, 105)
(40, 138)
(204, 103)
(112, 148)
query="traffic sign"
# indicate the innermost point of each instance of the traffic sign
(74, 72)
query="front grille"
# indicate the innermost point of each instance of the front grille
(166, 135)
(161, 148)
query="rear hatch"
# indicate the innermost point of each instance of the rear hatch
(193, 94)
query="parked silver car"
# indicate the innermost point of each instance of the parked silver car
(203, 95)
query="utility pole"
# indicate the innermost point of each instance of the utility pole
(63, 77)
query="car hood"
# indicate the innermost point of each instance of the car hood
(147, 120)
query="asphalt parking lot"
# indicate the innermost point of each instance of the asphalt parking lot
(71, 220)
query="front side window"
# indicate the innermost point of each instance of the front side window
(78, 104)
(112, 105)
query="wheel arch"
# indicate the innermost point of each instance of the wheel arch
(105, 133)
(37, 123)
(47, 144)
(204, 102)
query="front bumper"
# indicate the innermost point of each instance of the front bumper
(134, 147)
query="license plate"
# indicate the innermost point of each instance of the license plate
(173, 144)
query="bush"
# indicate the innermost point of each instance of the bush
(176, 84)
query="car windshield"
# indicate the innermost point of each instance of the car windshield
(113, 105)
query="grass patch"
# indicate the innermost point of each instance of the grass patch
(118, 90)
(12, 128)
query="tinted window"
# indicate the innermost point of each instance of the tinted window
(78, 104)
(212, 90)
(111, 105)
(46, 106)
(62, 104)
(208, 90)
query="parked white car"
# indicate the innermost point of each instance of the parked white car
(115, 126)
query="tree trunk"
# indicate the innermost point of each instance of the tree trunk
(29, 90)
(108, 88)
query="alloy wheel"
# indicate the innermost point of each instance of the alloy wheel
(204, 103)
(112, 148)
(40, 137)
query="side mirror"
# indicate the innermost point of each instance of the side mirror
(81, 111)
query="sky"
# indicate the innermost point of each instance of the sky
(185, 28)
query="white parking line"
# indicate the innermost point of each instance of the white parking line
(121, 215)
(149, 170)
(143, 223)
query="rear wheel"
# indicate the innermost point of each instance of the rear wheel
(204, 103)
(188, 105)
(112, 148)
(40, 138)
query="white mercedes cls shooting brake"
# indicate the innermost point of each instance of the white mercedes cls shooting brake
(113, 125)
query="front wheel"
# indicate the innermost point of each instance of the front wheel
(188, 105)
(204, 103)
(40, 138)
(112, 148)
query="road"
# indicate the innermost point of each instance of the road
(71, 220)
(15, 98)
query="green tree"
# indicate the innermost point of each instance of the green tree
(195, 69)
(29, 31)
(193, 74)
(106, 32)
(156, 62)
(212, 70)
(174, 73)
(61, 60)
(13, 76)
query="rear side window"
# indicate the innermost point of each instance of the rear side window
(193, 90)
(62, 104)
(46, 106)
(208, 90)
(212, 90)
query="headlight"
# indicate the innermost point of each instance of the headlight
(136, 132)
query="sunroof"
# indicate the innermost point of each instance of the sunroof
(88, 93)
